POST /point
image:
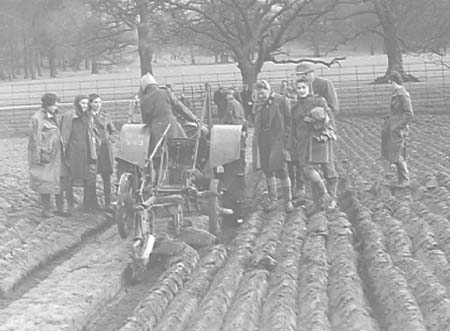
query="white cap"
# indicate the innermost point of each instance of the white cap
(147, 79)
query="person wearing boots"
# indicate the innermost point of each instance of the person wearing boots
(270, 142)
(310, 142)
(45, 155)
(106, 136)
(396, 129)
(79, 141)
(324, 88)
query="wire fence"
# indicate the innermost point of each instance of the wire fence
(357, 94)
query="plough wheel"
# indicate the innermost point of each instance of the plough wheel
(125, 210)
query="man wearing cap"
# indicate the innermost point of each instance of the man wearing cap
(156, 111)
(325, 89)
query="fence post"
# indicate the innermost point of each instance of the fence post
(357, 87)
(443, 85)
(426, 83)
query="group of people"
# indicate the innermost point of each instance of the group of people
(294, 137)
(69, 150)
(295, 133)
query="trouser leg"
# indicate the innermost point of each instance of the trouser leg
(318, 189)
(59, 201)
(107, 189)
(46, 205)
(271, 181)
(402, 172)
(285, 184)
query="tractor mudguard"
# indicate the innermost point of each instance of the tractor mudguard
(225, 144)
(134, 144)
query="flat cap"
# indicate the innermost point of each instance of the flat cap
(147, 79)
(304, 68)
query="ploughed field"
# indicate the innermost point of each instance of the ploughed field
(379, 262)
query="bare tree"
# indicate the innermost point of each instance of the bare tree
(136, 15)
(251, 30)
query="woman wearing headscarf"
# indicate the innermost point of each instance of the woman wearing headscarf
(77, 128)
(106, 137)
(396, 129)
(270, 142)
(311, 140)
(45, 156)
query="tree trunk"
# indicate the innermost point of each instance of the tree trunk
(2, 72)
(31, 58)
(94, 68)
(38, 63)
(86, 64)
(64, 66)
(192, 54)
(144, 43)
(249, 73)
(26, 62)
(386, 15)
(52, 64)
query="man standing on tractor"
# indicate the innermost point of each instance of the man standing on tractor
(325, 89)
(156, 111)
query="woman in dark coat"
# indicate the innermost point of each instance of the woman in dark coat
(106, 136)
(270, 142)
(156, 110)
(396, 129)
(79, 143)
(45, 154)
(312, 134)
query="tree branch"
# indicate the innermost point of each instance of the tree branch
(329, 64)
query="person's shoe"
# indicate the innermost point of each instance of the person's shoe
(332, 204)
(289, 207)
(46, 214)
(313, 209)
(62, 213)
(403, 184)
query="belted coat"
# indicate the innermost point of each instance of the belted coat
(396, 126)
(106, 135)
(156, 110)
(271, 133)
(44, 153)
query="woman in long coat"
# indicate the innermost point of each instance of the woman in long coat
(156, 110)
(79, 142)
(312, 134)
(396, 129)
(270, 141)
(106, 136)
(44, 154)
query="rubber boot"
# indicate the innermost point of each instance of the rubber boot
(285, 184)
(272, 188)
(70, 199)
(332, 188)
(319, 194)
(59, 201)
(90, 202)
(107, 190)
(46, 205)
(403, 175)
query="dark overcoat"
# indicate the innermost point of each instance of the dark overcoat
(325, 89)
(80, 149)
(106, 136)
(234, 113)
(44, 153)
(303, 148)
(396, 126)
(271, 133)
(156, 110)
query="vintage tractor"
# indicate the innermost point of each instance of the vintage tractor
(179, 177)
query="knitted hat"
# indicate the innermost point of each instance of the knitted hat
(147, 79)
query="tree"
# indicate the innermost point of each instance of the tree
(403, 25)
(251, 30)
(137, 15)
